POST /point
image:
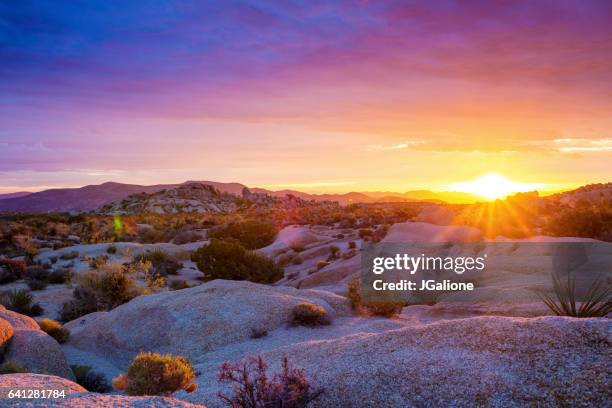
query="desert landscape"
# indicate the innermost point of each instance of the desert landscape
(221, 278)
(305, 204)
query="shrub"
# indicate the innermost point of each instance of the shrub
(100, 290)
(597, 300)
(34, 284)
(307, 314)
(90, 380)
(10, 367)
(251, 234)
(380, 308)
(253, 388)
(20, 301)
(365, 232)
(229, 260)
(69, 255)
(258, 333)
(161, 262)
(333, 252)
(53, 259)
(55, 330)
(111, 250)
(60, 275)
(98, 261)
(179, 284)
(11, 270)
(352, 245)
(156, 374)
(322, 264)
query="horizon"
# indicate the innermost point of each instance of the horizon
(318, 98)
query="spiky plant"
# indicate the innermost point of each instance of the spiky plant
(597, 301)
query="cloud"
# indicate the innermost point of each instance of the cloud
(581, 145)
(399, 146)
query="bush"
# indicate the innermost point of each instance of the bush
(60, 275)
(307, 314)
(90, 380)
(333, 252)
(10, 367)
(98, 261)
(100, 290)
(253, 388)
(69, 255)
(161, 262)
(34, 284)
(55, 330)
(156, 374)
(385, 309)
(111, 250)
(20, 301)
(179, 284)
(322, 264)
(11, 270)
(352, 245)
(229, 260)
(251, 234)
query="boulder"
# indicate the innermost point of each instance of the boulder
(32, 348)
(6, 334)
(479, 361)
(194, 321)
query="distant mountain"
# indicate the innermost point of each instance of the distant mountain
(14, 195)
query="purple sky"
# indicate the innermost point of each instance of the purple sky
(314, 95)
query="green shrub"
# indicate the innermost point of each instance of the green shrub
(156, 374)
(230, 260)
(251, 234)
(307, 314)
(20, 301)
(55, 330)
(90, 380)
(10, 367)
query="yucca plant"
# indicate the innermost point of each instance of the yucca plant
(597, 301)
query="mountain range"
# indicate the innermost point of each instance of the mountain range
(92, 197)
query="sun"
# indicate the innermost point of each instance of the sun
(493, 186)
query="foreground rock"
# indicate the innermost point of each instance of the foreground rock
(33, 349)
(192, 321)
(487, 361)
(75, 395)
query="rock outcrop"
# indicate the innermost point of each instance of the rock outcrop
(193, 321)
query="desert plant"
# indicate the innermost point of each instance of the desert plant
(162, 264)
(20, 301)
(111, 250)
(229, 260)
(352, 245)
(69, 255)
(90, 380)
(322, 264)
(10, 367)
(251, 234)
(11, 270)
(179, 284)
(100, 290)
(258, 333)
(98, 261)
(597, 300)
(378, 308)
(253, 388)
(333, 252)
(156, 374)
(55, 330)
(35, 284)
(307, 314)
(60, 275)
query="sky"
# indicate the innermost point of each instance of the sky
(315, 96)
